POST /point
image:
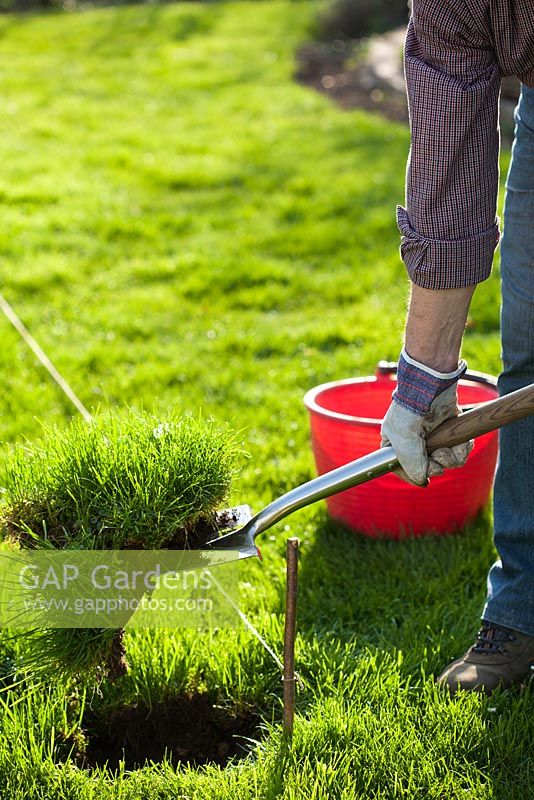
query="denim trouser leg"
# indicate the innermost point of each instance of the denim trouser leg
(511, 579)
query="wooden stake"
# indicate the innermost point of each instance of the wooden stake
(292, 562)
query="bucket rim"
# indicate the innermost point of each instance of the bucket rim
(310, 398)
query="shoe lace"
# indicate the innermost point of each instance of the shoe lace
(491, 640)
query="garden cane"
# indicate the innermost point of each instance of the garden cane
(481, 419)
(289, 677)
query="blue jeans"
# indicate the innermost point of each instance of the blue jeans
(510, 600)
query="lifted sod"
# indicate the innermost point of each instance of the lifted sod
(125, 481)
(129, 481)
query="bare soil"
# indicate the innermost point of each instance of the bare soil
(187, 729)
(117, 665)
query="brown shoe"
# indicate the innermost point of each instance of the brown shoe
(500, 657)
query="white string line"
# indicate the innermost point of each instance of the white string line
(43, 358)
(256, 632)
(247, 622)
(64, 386)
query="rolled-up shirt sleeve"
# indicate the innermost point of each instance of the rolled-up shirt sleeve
(449, 228)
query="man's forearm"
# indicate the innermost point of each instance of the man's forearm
(435, 325)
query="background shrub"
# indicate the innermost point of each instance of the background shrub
(352, 19)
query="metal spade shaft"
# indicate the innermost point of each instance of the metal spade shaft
(481, 419)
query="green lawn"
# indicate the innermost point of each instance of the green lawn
(184, 227)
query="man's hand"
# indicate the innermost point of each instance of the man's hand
(424, 398)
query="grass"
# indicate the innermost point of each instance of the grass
(185, 227)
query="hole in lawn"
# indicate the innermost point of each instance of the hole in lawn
(185, 729)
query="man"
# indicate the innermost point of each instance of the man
(456, 52)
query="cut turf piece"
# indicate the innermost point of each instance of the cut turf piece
(126, 481)
(86, 654)
(129, 481)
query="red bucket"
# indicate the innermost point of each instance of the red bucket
(345, 424)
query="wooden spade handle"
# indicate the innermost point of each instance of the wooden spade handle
(483, 418)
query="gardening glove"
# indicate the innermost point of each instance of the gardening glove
(423, 399)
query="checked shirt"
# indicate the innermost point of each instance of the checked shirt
(456, 52)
